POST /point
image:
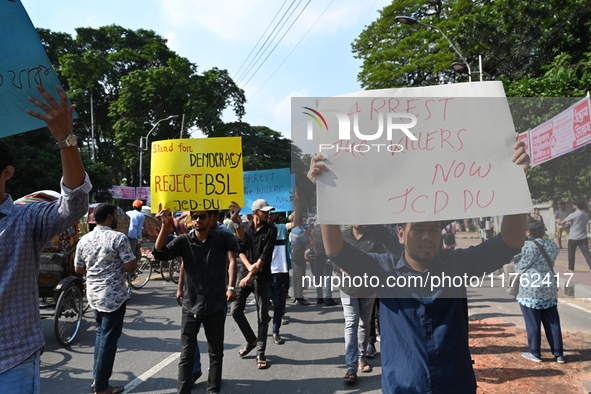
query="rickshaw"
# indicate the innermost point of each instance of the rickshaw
(61, 290)
(169, 270)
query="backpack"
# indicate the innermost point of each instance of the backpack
(449, 237)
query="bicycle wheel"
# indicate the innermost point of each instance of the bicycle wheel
(165, 270)
(138, 278)
(68, 315)
(175, 269)
(157, 267)
(84, 298)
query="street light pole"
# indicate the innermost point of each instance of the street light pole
(407, 20)
(142, 148)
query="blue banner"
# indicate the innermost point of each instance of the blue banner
(23, 66)
(275, 186)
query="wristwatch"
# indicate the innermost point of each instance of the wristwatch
(70, 140)
(235, 225)
(231, 288)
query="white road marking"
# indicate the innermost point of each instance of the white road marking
(151, 372)
(574, 306)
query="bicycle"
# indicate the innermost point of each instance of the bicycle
(140, 277)
(175, 269)
(165, 270)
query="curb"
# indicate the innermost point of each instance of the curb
(573, 290)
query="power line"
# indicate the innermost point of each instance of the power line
(256, 56)
(294, 48)
(210, 119)
(210, 113)
(261, 37)
(272, 50)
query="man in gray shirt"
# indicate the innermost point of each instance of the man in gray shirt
(578, 234)
(561, 214)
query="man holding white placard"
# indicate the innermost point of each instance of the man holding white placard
(424, 323)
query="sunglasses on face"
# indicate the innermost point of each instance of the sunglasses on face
(200, 216)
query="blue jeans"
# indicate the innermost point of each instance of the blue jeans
(108, 330)
(22, 378)
(357, 313)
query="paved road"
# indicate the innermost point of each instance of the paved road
(311, 360)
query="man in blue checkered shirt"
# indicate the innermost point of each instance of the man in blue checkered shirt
(24, 232)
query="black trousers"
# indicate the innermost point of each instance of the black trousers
(260, 289)
(583, 244)
(213, 324)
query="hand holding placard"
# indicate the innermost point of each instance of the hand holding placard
(58, 117)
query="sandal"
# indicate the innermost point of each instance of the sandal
(262, 362)
(114, 390)
(364, 367)
(247, 349)
(350, 376)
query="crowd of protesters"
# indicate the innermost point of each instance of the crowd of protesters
(226, 258)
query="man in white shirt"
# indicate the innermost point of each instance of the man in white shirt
(104, 256)
(578, 234)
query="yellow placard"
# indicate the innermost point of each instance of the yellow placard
(199, 174)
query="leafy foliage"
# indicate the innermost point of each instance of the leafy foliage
(538, 48)
(515, 37)
(129, 79)
(262, 148)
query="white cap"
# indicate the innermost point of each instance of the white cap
(261, 205)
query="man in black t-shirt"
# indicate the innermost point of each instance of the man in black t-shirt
(205, 296)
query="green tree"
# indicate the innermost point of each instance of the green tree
(175, 89)
(133, 80)
(567, 177)
(515, 37)
(262, 148)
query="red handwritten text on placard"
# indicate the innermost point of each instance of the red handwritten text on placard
(189, 183)
(468, 194)
(439, 201)
(459, 170)
(422, 108)
(438, 139)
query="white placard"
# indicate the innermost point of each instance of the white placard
(459, 165)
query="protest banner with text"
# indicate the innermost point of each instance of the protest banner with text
(275, 186)
(565, 132)
(23, 66)
(199, 174)
(416, 154)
